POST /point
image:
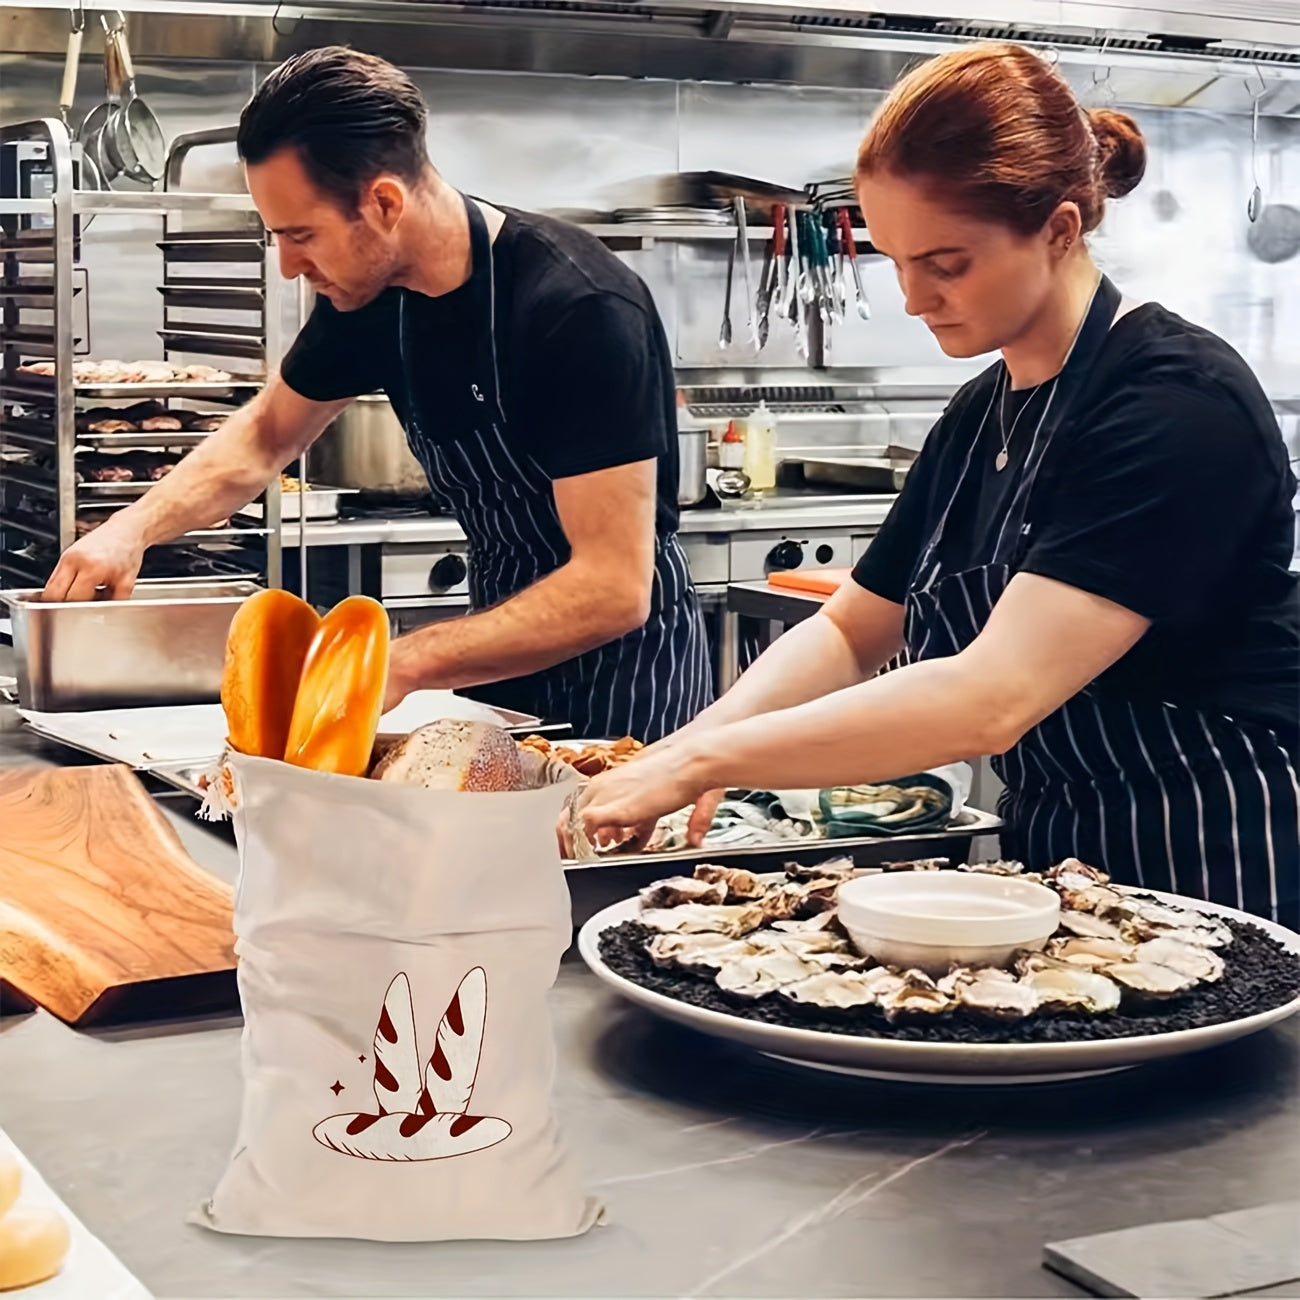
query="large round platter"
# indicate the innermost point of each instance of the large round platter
(953, 1063)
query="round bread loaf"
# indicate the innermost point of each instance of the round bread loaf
(34, 1242)
(451, 754)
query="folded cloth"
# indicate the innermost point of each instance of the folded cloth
(907, 806)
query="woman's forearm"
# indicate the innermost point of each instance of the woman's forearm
(917, 717)
(839, 647)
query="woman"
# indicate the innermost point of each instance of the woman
(1088, 566)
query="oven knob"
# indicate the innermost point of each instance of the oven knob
(785, 555)
(448, 572)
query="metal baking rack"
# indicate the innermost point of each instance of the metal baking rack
(218, 307)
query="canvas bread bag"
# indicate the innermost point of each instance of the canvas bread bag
(396, 945)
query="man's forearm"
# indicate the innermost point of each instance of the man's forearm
(559, 617)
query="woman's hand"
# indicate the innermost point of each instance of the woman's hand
(624, 805)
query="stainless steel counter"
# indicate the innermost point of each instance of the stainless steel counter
(778, 514)
(725, 1173)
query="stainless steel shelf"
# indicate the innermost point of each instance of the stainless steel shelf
(644, 234)
(40, 389)
(212, 247)
(198, 343)
(20, 525)
(213, 295)
(159, 203)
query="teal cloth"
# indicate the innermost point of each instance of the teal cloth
(845, 822)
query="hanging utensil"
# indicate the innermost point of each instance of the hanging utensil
(793, 302)
(724, 334)
(781, 253)
(1255, 204)
(134, 136)
(87, 176)
(766, 286)
(92, 125)
(742, 238)
(846, 225)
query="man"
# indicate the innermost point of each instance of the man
(533, 377)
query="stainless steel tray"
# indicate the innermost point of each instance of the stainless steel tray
(165, 645)
(322, 503)
(866, 473)
(880, 848)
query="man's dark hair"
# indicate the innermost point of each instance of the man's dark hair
(350, 116)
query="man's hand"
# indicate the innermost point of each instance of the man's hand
(110, 558)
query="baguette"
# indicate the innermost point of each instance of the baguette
(341, 691)
(265, 651)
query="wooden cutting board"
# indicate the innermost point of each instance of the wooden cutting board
(103, 915)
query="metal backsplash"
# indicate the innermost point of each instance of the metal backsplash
(560, 142)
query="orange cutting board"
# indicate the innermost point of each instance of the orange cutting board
(820, 582)
(103, 914)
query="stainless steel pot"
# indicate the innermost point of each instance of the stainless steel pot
(365, 448)
(693, 460)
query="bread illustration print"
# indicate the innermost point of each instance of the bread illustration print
(414, 1118)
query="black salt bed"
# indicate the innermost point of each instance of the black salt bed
(1260, 974)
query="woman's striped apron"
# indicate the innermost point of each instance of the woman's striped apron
(1159, 795)
(646, 684)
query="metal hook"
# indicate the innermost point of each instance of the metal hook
(275, 20)
(77, 14)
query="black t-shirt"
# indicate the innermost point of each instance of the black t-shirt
(1165, 489)
(585, 367)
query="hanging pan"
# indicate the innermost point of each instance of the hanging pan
(133, 138)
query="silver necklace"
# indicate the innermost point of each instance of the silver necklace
(1001, 459)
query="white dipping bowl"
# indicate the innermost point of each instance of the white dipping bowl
(933, 920)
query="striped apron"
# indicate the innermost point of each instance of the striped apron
(646, 684)
(1159, 795)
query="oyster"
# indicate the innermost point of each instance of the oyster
(741, 886)
(994, 868)
(1091, 926)
(989, 991)
(707, 949)
(1149, 920)
(1204, 965)
(1098, 899)
(1071, 873)
(800, 941)
(918, 864)
(1092, 951)
(808, 925)
(1062, 987)
(1150, 979)
(701, 918)
(757, 974)
(682, 889)
(917, 994)
(833, 868)
(846, 989)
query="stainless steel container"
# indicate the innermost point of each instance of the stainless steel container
(165, 645)
(365, 448)
(693, 460)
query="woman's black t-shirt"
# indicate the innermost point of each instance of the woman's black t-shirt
(1166, 489)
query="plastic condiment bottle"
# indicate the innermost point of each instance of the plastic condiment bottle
(760, 449)
(731, 451)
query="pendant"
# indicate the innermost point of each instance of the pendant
(1000, 460)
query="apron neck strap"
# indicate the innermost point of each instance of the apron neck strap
(482, 286)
